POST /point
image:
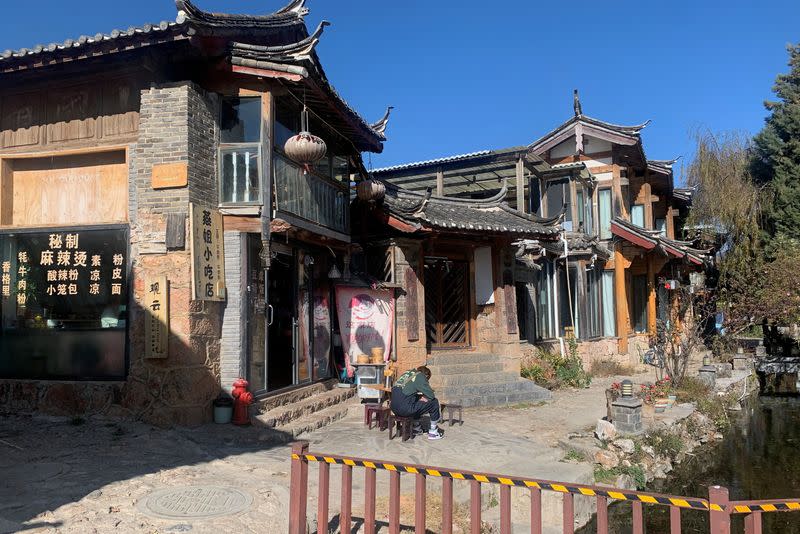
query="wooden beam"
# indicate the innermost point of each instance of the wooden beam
(520, 173)
(670, 223)
(439, 182)
(621, 299)
(651, 296)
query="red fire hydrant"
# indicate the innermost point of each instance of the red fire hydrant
(241, 400)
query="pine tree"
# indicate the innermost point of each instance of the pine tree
(776, 153)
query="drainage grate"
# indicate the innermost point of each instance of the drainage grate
(195, 502)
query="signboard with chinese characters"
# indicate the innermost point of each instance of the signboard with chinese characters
(208, 258)
(156, 327)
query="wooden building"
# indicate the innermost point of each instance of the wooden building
(619, 230)
(156, 241)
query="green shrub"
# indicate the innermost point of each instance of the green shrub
(692, 390)
(604, 368)
(551, 370)
(664, 443)
(575, 456)
(609, 476)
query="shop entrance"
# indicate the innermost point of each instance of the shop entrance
(446, 303)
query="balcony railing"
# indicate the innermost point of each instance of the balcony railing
(311, 197)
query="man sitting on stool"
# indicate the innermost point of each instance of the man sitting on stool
(412, 396)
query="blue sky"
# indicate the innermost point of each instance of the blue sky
(467, 75)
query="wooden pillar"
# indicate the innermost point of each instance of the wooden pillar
(670, 223)
(439, 183)
(520, 171)
(648, 206)
(621, 299)
(651, 296)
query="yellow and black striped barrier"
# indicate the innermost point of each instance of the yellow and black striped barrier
(767, 506)
(611, 493)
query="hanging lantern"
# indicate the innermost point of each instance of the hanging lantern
(370, 191)
(305, 148)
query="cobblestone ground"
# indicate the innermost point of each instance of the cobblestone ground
(75, 476)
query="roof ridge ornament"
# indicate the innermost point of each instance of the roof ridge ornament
(380, 126)
(298, 7)
(298, 51)
(576, 103)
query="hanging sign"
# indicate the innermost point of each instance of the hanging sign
(156, 326)
(208, 258)
(366, 320)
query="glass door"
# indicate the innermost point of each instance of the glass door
(256, 325)
(282, 329)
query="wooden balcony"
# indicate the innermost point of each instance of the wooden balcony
(312, 201)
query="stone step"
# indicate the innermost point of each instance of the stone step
(463, 368)
(450, 358)
(318, 419)
(284, 414)
(313, 421)
(294, 396)
(497, 377)
(518, 386)
(502, 399)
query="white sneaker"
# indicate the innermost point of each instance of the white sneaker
(435, 435)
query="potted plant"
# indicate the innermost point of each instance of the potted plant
(223, 409)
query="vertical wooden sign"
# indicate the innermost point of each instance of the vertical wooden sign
(156, 326)
(208, 257)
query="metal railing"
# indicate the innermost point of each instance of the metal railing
(718, 505)
(311, 197)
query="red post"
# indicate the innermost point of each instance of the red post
(420, 491)
(720, 520)
(536, 511)
(505, 509)
(602, 515)
(369, 500)
(447, 506)
(322, 498)
(474, 507)
(298, 497)
(569, 513)
(346, 513)
(638, 518)
(674, 520)
(752, 523)
(394, 502)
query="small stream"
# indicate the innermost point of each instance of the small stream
(759, 458)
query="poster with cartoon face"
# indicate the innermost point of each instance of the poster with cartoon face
(366, 321)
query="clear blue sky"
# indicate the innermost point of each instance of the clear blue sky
(467, 75)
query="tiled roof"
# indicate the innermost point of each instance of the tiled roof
(87, 41)
(661, 165)
(652, 239)
(455, 215)
(425, 163)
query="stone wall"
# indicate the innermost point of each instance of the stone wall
(231, 361)
(177, 124)
(414, 353)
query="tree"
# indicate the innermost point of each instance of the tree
(727, 205)
(776, 154)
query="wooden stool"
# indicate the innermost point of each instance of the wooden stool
(404, 426)
(378, 414)
(452, 408)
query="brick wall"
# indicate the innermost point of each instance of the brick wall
(231, 361)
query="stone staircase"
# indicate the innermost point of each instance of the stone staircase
(286, 416)
(476, 379)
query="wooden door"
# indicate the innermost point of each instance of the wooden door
(447, 303)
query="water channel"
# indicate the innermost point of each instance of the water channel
(758, 459)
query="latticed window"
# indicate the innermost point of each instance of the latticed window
(380, 263)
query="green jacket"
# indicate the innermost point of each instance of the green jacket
(413, 382)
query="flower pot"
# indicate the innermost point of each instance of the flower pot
(223, 410)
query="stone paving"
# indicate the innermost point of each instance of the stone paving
(70, 476)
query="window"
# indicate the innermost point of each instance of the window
(604, 213)
(240, 150)
(558, 196)
(580, 209)
(544, 302)
(609, 314)
(661, 226)
(568, 300)
(593, 291)
(64, 304)
(639, 303)
(637, 215)
(535, 197)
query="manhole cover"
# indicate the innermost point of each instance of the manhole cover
(195, 502)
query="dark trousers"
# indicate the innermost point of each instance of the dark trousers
(410, 406)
